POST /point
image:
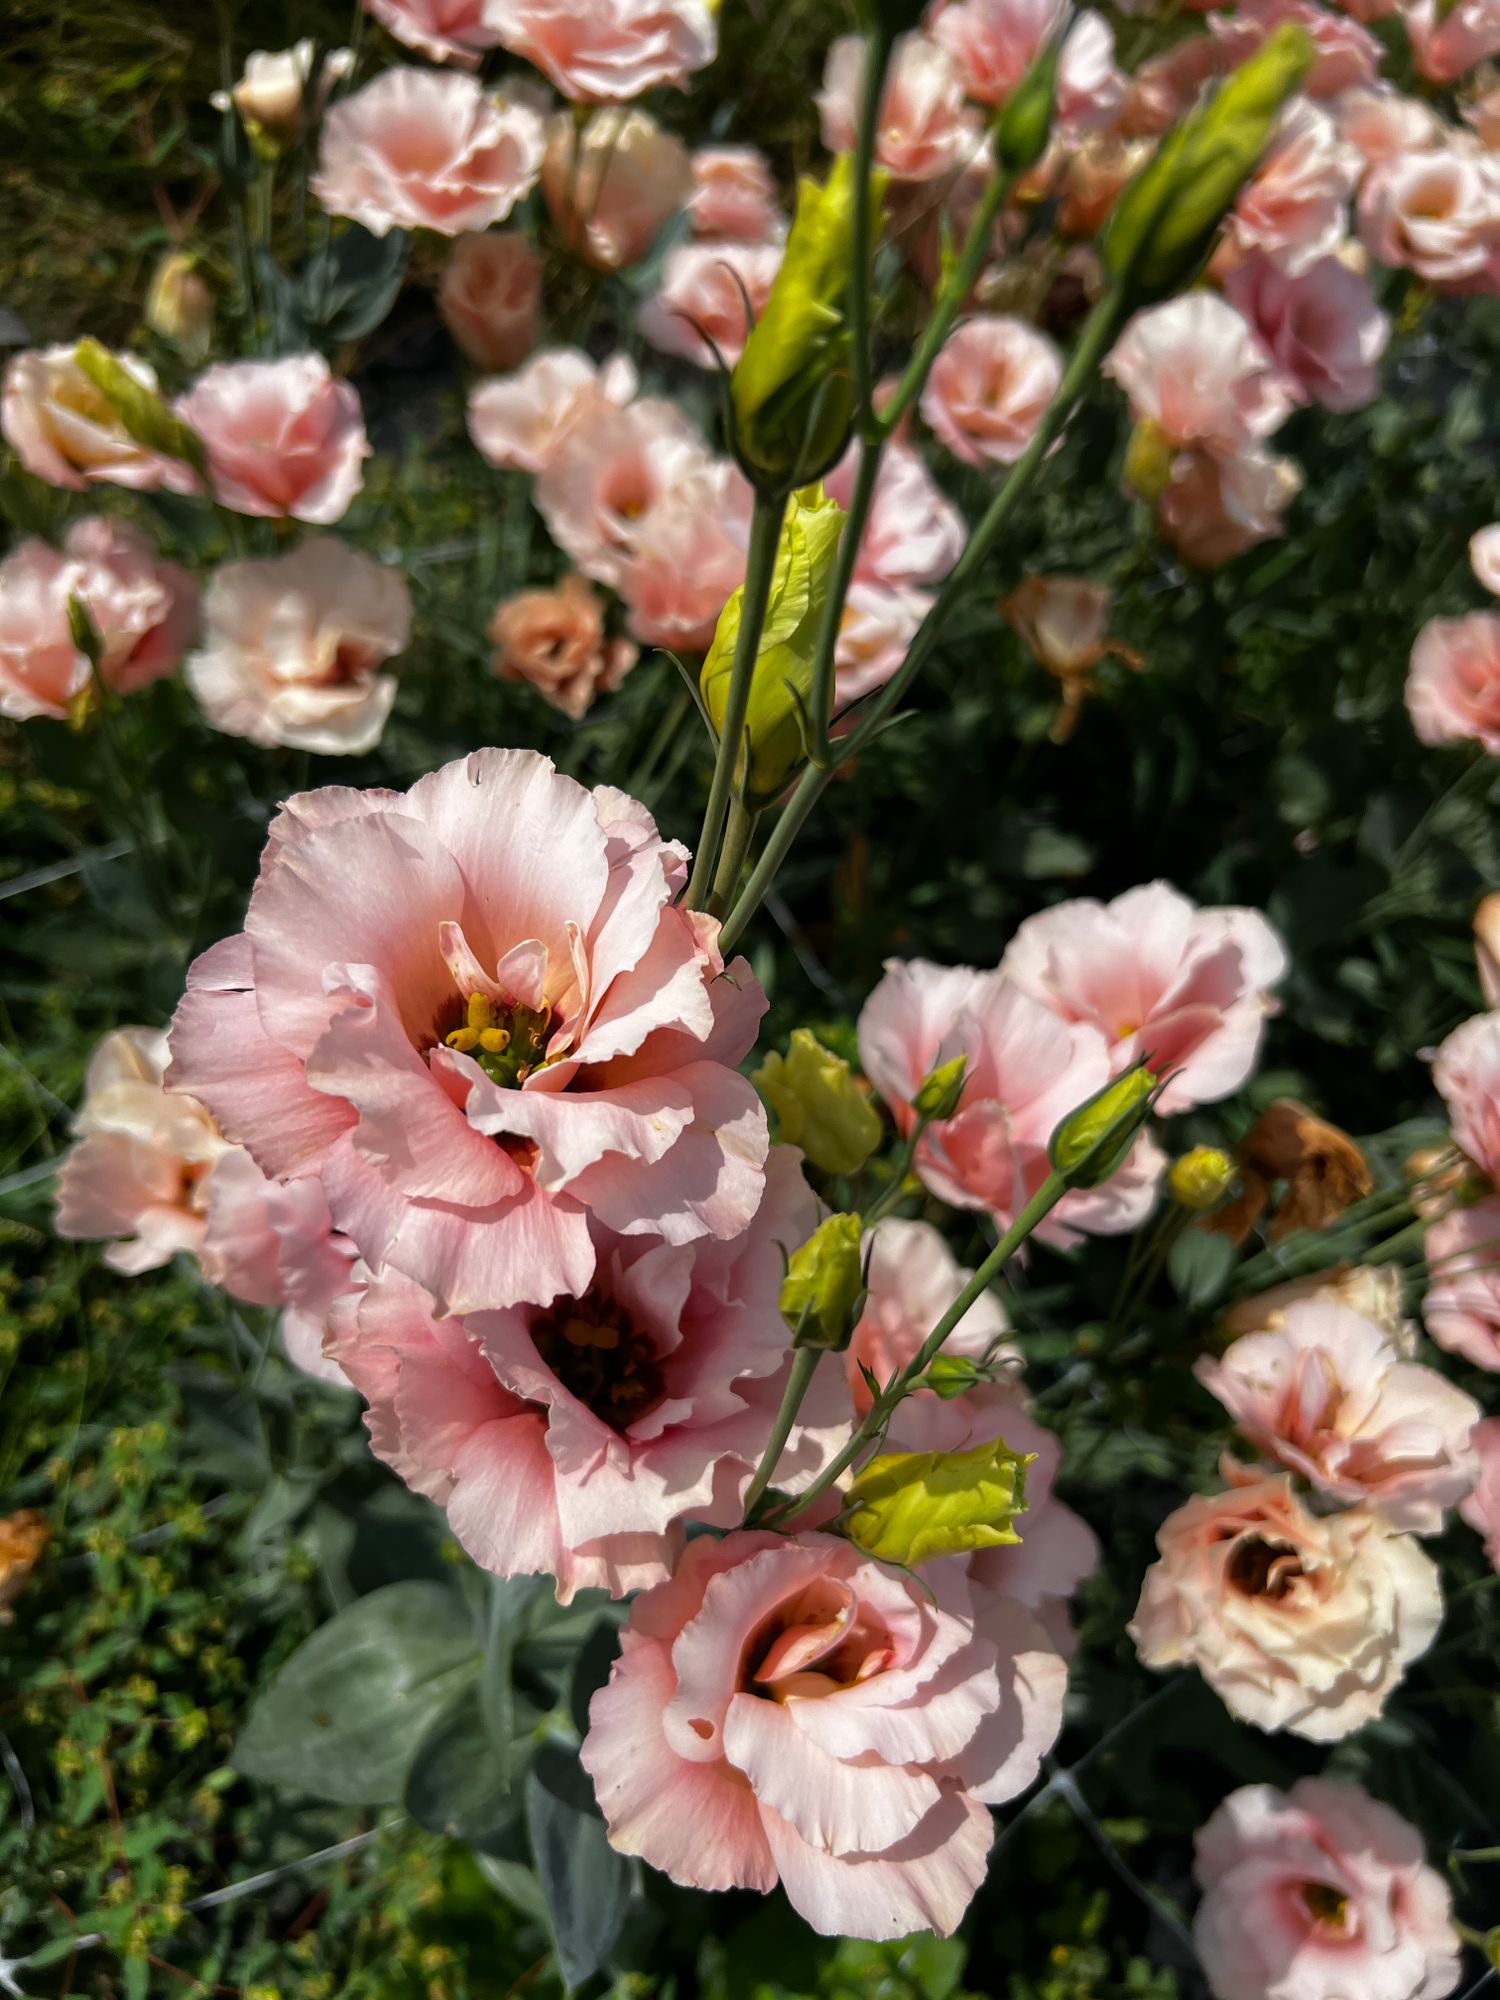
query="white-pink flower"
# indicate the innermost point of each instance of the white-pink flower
(1194, 368)
(1466, 1070)
(878, 623)
(1294, 208)
(426, 149)
(64, 430)
(271, 95)
(605, 477)
(282, 437)
(1185, 989)
(1322, 327)
(1346, 55)
(734, 195)
(1320, 1893)
(291, 648)
(913, 532)
(703, 296)
(577, 1440)
(1446, 44)
(476, 1009)
(605, 51)
(519, 421)
(1382, 125)
(455, 31)
(995, 43)
(1484, 558)
(490, 297)
(1482, 1508)
(792, 1710)
(1461, 1309)
(1326, 1395)
(1436, 213)
(612, 187)
(924, 131)
(990, 387)
(1453, 683)
(685, 557)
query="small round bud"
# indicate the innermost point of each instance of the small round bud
(1091, 1142)
(1201, 1179)
(940, 1090)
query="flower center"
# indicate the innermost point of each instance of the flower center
(1325, 1905)
(506, 1039)
(821, 1641)
(599, 1356)
(1263, 1569)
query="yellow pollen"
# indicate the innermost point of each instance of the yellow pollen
(463, 1039)
(496, 1040)
(1129, 1028)
(481, 1011)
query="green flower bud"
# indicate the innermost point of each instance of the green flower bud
(791, 394)
(1201, 1179)
(1164, 223)
(84, 632)
(179, 305)
(819, 1104)
(941, 1089)
(1149, 458)
(782, 686)
(1024, 126)
(911, 1507)
(142, 413)
(824, 1285)
(1091, 1142)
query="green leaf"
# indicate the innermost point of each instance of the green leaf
(586, 1884)
(459, 1781)
(348, 289)
(344, 1717)
(1198, 1265)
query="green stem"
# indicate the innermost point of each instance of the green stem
(877, 61)
(1096, 339)
(1327, 1246)
(738, 834)
(900, 1167)
(804, 1361)
(1036, 1210)
(760, 568)
(820, 750)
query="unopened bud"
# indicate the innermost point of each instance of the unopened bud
(1149, 458)
(83, 631)
(819, 1104)
(143, 414)
(941, 1089)
(824, 1284)
(179, 305)
(1024, 126)
(911, 1507)
(1091, 1142)
(1201, 1179)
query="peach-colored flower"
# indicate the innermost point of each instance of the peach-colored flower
(42, 671)
(291, 648)
(455, 31)
(1448, 44)
(734, 195)
(1453, 684)
(1482, 1508)
(1166, 85)
(1194, 368)
(520, 421)
(924, 131)
(272, 1243)
(426, 149)
(1320, 1169)
(1296, 1621)
(1093, 173)
(604, 479)
(793, 1710)
(1186, 989)
(702, 299)
(612, 188)
(1320, 1893)
(1322, 327)
(1062, 619)
(685, 558)
(388, 934)
(271, 95)
(490, 297)
(1328, 1397)
(1382, 125)
(282, 437)
(1216, 507)
(990, 387)
(604, 51)
(1346, 54)
(1294, 206)
(554, 640)
(64, 430)
(1462, 1307)
(1484, 557)
(1438, 214)
(579, 1439)
(1027, 1069)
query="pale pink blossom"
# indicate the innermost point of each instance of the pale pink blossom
(1187, 990)
(995, 43)
(1320, 1893)
(1466, 1070)
(1294, 208)
(1027, 1069)
(455, 31)
(913, 532)
(924, 131)
(426, 149)
(792, 1710)
(877, 625)
(1484, 558)
(612, 188)
(1436, 213)
(1091, 89)
(1329, 1398)
(577, 1440)
(1375, 1291)
(1446, 45)
(1167, 85)
(554, 640)
(1453, 683)
(271, 95)
(685, 557)
(601, 483)
(1297, 1621)
(734, 195)
(1215, 507)
(1382, 125)
(1462, 1307)
(1322, 327)
(291, 648)
(340, 1032)
(282, 437)
(520, 421)
(1194, 368)
(490, 297)
(42, 672)
(272, 1243)
(990, 387)
(64, 430)
(1346, 55)
(702, 299)
(604, 51)
(1482, 1508)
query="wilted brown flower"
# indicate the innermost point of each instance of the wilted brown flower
(1062, 620)
(1320, 1168)
(23, 1536)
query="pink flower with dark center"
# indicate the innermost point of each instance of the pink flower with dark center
(685, 557)
(606, 477)
(1447, 43)
(1194, 368)
(1436, 213)
(282, 437)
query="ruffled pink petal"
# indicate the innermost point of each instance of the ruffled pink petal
(925, 1882)
(1006, 1751)
(841, 1808)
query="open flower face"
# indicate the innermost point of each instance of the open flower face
(476, 1011)
(792, 1709)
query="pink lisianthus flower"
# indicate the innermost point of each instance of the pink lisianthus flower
(913, 532)
(1436, 213)
(792, 1710)
(605, 51)
(490, 297)
(685, 557)
(1482, 1507)
(520, 421)
(1327, 1396)
(612, 188)
(1453, 685)
(1484, 558)
(1382, 125)
(995, 42)
(64, 429)
(455, 31)
(1216, 506)
(1294, 208)
(702, 299)
(1347, 55)
(282, 437)
(734, 195)
(476, 1010)
(1320, 1893)
(291, 648)
(925, 130)
(1461, 1309)
(1322, 328)
(554, 641)
(1194, 368)
(990, 387)
(426, 149)
(1027, 1069)
(607, 476)
(1466, 1070)
(1446, 45)
(272, 96)
(1185, 989)
(1296, 1620)
(876, 627)
(578, 1439)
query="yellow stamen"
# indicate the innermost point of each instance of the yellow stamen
(481, 1011)
(496, 1040)
(463, 1039)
